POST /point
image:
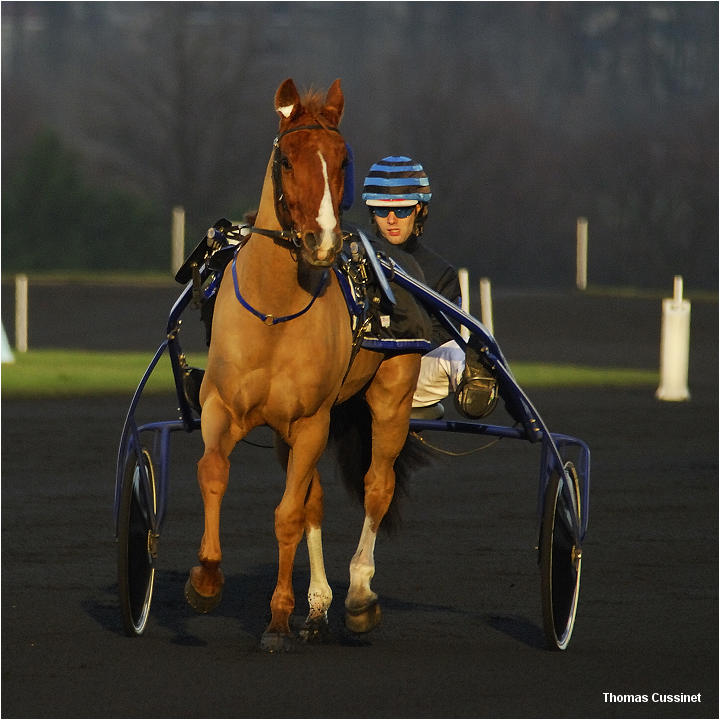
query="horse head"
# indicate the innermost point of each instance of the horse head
(308, 170)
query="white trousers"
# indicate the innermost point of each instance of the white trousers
(440, 373)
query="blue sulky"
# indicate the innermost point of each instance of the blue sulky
(142, 483)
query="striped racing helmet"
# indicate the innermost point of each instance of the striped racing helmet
(396, 181)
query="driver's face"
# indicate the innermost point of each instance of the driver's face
(394, 229)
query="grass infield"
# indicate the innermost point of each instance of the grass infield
(44, 373)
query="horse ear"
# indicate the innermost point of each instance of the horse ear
(334, 103)
(287, 100)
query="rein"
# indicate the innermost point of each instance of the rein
(271, 319)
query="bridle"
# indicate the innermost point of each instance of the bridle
(288, 233)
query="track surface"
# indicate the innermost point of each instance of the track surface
(462, 628)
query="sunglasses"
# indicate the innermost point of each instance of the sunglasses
(400, 212)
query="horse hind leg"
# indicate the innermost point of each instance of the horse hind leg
(362, 610)
(389, 397)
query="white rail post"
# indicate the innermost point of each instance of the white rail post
(674, 346)
(7, 353)
(464, 278)
(486, 309)
(178, 238)
(581, 234)
(21, 313)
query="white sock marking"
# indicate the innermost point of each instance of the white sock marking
(362, 569)
(319, 592)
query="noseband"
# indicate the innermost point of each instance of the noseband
(288, 232)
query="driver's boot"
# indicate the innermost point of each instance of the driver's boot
(477, 394)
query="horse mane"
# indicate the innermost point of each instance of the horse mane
(313, 103)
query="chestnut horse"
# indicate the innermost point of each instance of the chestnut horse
(281, 356)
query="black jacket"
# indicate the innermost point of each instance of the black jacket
(437, 273)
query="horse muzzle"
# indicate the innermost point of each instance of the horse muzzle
(320, 249)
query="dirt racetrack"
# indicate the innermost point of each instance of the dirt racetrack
(459, 586)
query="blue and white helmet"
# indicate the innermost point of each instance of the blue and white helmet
(396, 181)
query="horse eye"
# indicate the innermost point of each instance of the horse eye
(345, 162)
(287, 165)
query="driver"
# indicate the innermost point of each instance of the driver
(397, 193)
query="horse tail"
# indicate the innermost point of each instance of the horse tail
(351, 440)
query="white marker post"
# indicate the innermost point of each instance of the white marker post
(486, 309)
(21, 313)
(464, 278)
(7, 353)
(581, 234)
(674, 346)
(178, 239)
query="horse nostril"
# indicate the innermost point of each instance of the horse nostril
(320, 248)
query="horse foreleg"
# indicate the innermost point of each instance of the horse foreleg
(203, 589)
(307, 440)
(389, 397)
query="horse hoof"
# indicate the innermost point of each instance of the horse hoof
(315, 630)
(363, 620)
(273, 642)
(201, 603)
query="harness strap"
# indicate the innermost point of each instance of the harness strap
(270, 319)
(360, 313)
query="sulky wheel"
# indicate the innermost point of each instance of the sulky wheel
(137, 544)
(560, 557)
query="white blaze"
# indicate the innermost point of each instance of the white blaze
(326, 212)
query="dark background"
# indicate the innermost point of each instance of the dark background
(526, 116)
